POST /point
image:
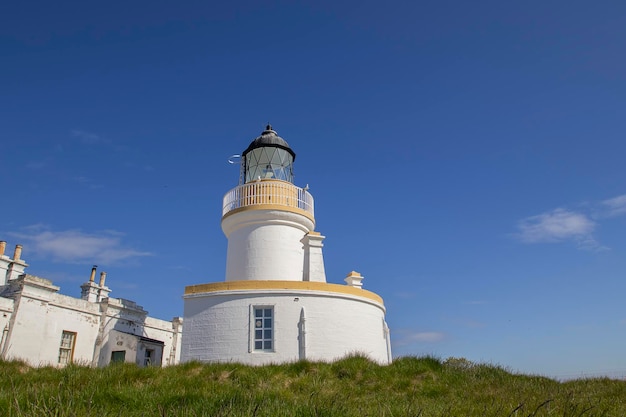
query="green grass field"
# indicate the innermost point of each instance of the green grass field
(354, 386)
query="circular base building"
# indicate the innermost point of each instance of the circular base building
(275, 305)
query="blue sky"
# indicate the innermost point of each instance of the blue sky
(467, 158)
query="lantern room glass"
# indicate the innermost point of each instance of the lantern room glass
(268, 162)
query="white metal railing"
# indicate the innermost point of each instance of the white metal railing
(268, 192)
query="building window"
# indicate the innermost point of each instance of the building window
(149, 357)
(264, 329)
(66, 350)
(118, 356)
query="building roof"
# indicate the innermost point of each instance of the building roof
(269, 138)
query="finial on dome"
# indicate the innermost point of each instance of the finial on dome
(269, 126)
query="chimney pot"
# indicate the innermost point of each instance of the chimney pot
(103, 276)
(3, 246)
(18, 252)
(93, 273)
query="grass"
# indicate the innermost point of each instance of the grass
(354, 386)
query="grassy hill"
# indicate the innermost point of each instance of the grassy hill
(354, 386)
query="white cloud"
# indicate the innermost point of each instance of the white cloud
(407, 337)
(615, 206)
(87, 182)
(75, 246)
(86, 137)
(578, 226)
(474, 324)
(89, 138)
(557, 226)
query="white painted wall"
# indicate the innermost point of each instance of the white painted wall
(37, 315)
(217, 327)
(123, 317)
(41, 316)
(265, 245)
(6, 312)
(120, 341)
(168, 332)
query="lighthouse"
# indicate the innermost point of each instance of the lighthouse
(274, 304)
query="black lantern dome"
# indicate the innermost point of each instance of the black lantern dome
(268, 157)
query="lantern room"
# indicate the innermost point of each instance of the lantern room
(268, 157)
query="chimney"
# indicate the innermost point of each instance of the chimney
(103, 276)
(17, 253)
(354, 279)
(93, 273)
(3, 246)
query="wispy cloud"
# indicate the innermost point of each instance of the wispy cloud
(428, 337)
(87, 182)
(59, 277)
(404, 337)
(88, 138)
(615, 206)
(75, 246)
(474, 324)
(578, 226)
(555, 226)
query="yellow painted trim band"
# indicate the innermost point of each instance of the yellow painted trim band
(282, 285)
(271, 207)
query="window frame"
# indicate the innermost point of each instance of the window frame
(66, 353)
(263, 328)
(121, 353)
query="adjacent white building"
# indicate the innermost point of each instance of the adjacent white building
(43, 327)
(275, 304)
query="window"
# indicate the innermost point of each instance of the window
(118, 356)
(268, 162)
(264, 329)
(149, 357)
(66, 351)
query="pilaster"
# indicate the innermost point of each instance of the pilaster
(313, 257)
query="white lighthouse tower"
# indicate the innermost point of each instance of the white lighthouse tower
(275, 304)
